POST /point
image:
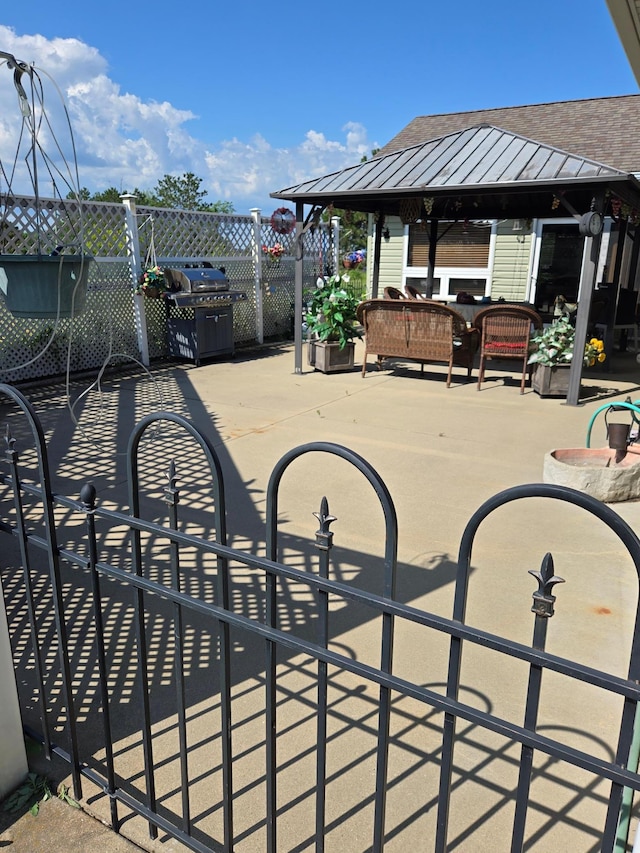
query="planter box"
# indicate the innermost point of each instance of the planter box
(329, 358)
(550, 381)
(44, 286)
(311, 351)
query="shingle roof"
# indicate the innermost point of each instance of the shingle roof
(606, 130)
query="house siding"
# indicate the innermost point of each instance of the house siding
(508, 276)
(392, 253)
(511, 263)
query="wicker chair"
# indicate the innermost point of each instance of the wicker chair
(418, 330)
(393, 293)
(413, 292)
(505, 333)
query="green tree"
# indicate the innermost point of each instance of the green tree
(83, 194)
(353, 228)
(110, 194)
(183, 192)
(220, 207)
(147, 198)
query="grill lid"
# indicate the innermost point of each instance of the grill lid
(196, 280)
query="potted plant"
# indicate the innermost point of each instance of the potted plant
(151, 283)
(353, 259)
(331, 320)
(552, 354)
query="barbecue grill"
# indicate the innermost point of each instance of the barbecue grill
(200, 286)
(207, 329)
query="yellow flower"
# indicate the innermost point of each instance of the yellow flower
(594, 342)
(592, 361)
(601, 357)
(600, 346)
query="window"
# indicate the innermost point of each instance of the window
(421, 284)
(459, 245)
(474, 286)
(462, 258)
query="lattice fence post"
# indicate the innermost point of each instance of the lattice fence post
(335, 244)
(135, 262)
(256, 254)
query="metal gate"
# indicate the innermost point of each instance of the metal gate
(285, 698)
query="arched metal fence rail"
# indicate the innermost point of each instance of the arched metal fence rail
(131, 585)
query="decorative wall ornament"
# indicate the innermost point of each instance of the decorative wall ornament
(283, 220)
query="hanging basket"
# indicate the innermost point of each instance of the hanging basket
(410, 210)
(35, 285)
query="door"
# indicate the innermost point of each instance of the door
(559, 264)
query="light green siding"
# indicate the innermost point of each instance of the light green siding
(391, 256)
(511, 263)
(511, 259)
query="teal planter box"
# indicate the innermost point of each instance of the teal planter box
(44, 286)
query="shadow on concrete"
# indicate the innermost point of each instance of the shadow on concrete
(90, 451)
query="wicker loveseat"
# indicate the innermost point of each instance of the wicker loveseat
(419, 330)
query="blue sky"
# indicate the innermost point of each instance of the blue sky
(254, 97)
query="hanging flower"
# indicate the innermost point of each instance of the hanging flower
(354, 259)
(152, 279)
(274, 252)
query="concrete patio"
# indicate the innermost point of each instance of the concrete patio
(442, 453)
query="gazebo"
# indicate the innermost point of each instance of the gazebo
(480, 173)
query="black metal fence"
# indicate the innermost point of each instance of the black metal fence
(115, 612)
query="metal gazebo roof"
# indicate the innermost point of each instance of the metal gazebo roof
(480, 172)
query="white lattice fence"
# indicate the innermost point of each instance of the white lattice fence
(31, 348)
(278, 275)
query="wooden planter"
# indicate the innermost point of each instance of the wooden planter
(44, 286)
(550, 381)
(327, 356)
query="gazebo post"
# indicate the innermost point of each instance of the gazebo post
(433, 244)
(375, 280)
(588, 271)
(297, 298)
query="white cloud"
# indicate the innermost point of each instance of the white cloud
(124, 141)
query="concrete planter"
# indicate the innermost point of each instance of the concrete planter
(550, 381)
(595, 472)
